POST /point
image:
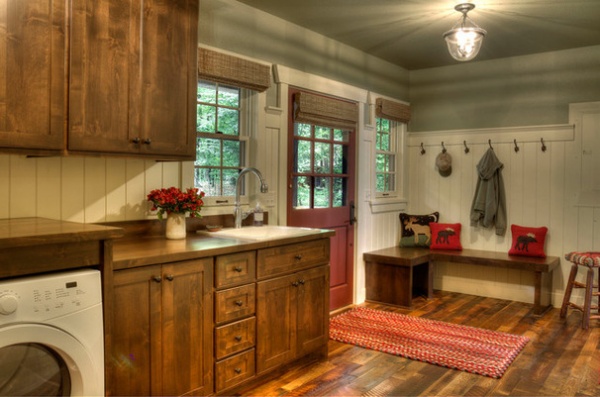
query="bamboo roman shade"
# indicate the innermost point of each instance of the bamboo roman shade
(391, 110)
(320, 110)
(228, 69)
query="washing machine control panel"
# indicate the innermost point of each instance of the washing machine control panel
(40, 298)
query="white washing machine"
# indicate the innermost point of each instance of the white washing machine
(51, 335)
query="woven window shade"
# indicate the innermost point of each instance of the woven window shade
(391, 110)
(238, 72)
(316, 109)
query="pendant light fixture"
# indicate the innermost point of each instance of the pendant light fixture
(465, 38)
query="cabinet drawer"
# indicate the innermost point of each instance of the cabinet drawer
(235, 269)
(234, 370)
(286, 258)
(235, 303)
(234, 338)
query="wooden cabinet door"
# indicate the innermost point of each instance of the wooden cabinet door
(134, 77)
(276, 322)
(187, 344)
(32, 74)
(313, 310)
(135, 332)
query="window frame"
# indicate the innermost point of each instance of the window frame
(398, 130)
(246, 121)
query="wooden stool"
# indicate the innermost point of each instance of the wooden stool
(590, 260)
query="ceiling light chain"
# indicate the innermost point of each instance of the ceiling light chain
(465, 38)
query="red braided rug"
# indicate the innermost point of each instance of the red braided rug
(470, 349)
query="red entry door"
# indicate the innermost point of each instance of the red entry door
(321, 194)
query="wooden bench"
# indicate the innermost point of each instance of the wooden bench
(395, 274)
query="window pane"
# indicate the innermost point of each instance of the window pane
(322, 132)
(339, 192)
(229, 181)
(231, 153)
(383, 141)
(340, 135)
(302, 130)
(322, 192)
(206, 118)
(208, 152)
(208, 180)
(303, 156)
(302, 189)
(229, 96)
(322, 157)
(207, 92)
(382, 163)
(338, 159)
(229, 121)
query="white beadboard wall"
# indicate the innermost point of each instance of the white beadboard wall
(84, 189)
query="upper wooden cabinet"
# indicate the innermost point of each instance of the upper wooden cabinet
(33, 61)
(133, 77)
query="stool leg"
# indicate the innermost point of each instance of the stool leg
(568, 291)
(589, 288)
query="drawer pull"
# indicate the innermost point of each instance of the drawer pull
(298, 257)
(157, 279)
(295, 283)
(238, 338)
(301, 281)
(239, 303)
(237, 370)
(169, 277)
(238, 269)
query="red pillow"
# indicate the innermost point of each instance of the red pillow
(528, 241)
(445, 236)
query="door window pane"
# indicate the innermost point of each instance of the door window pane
(303, 130)
(322, 133)
(303, 156)
(302, 189)
(322, 192)
(322, 158)
(339, 192)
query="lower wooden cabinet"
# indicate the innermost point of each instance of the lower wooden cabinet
(292, 317)
(162, 330)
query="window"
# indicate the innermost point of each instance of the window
(220, 144)
(387, 157)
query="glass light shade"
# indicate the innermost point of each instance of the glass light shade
(464, 43)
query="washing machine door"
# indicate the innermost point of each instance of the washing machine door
(40, 360)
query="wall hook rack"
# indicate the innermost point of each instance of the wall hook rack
(516, 147)
(466, 147)
(543, 144)
(443, 147)
(422, 149)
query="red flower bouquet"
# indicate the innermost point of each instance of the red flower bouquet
(173, 200)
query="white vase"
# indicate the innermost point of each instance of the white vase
(175, 226)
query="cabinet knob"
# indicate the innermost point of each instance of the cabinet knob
(147, 141)
(135, 140)
(298, 257)
(238, 269)
(238, 338)
(301, 281)
(237, 370)
(157, 279)
(295, 284)
(169, 277)
(239, 303)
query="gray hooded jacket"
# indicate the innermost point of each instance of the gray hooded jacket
(489, 203)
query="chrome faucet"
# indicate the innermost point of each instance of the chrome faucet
(237, 212)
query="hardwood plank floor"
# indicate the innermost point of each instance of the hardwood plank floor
(560, 359)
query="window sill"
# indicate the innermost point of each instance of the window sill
(391, 204)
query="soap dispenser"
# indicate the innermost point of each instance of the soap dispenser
(258, 215)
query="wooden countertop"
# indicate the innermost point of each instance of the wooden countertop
(22, 232)
(147, 250)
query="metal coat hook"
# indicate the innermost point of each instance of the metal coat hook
(490, 143)
(543, 144)
(443, 147)
(516, 147)
(466, 147)
(422, 149)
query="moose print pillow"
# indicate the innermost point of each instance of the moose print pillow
(528, 241)
(445, 236)
(415, 231)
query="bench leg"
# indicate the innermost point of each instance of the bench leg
(541, 299)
